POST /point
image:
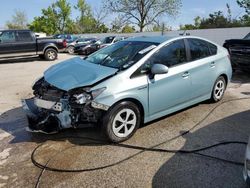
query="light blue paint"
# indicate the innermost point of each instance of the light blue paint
(76, 72)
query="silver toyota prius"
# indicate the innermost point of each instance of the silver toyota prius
(129, 83)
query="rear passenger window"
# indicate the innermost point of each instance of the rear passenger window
(24, 36)
(198, 48)
(170, 55)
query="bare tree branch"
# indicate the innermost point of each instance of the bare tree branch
(143, 12)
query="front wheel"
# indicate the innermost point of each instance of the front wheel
(50, 54)
(70, 49)
(218, 89)
(121, 121)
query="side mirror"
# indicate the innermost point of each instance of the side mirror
(159, 69)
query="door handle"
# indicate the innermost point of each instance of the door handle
(185, 74)
(212, 64)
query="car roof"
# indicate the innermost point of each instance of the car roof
(153, 39)
(14, 30)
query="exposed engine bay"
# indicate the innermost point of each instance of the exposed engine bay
(52, 109)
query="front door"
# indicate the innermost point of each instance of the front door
(7, 43)
(173, 89)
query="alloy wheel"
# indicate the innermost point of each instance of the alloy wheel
(219, 89)
(51, 55)
(124, 122)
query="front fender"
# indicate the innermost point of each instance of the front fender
(110, 100)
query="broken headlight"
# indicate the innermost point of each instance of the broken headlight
(82, 98)
(86, 96)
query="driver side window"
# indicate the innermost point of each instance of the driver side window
(170, 55)
(7, 37)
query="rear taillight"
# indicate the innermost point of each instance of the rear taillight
(64, 43)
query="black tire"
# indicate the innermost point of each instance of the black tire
(87, 51)
(113, 112)
(70, 49)
(50, 54)
(218, 89)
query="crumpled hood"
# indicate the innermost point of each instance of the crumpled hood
(76, 72)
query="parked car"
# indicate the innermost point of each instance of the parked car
(246, 171)
(69, 38)
(129, 83)
(239, 50)
(87, 48)
(109, 40)
(19, 43)
(79, 43)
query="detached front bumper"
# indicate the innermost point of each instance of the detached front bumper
(46, 116)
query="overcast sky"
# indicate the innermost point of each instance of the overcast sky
(189, 10)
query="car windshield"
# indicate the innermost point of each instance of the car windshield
(107, 40)
(121, 55)
(247, 37)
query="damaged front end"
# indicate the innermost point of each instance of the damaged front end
(52, 109)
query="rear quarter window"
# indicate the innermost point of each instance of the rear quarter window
(201, 49)
(198, 49)
(213, 48)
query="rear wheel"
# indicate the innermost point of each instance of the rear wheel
(121, 121)
(50, 54)
(218, 89)
(87, 51)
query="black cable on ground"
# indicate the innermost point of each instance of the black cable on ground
(142, 149)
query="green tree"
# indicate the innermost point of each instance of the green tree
(19, 20)
(197, 21)
(143, 12)
(54, 19)
(85, 16)
(118, 23)
(188, 27)
(87, 22)
(62, 11)
(215, 20)
(245, 19)
(128, 29)
(46, 23)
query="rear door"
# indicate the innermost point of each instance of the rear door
(171, 90)
(203, 63)
(7, 43)
(26, 43)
